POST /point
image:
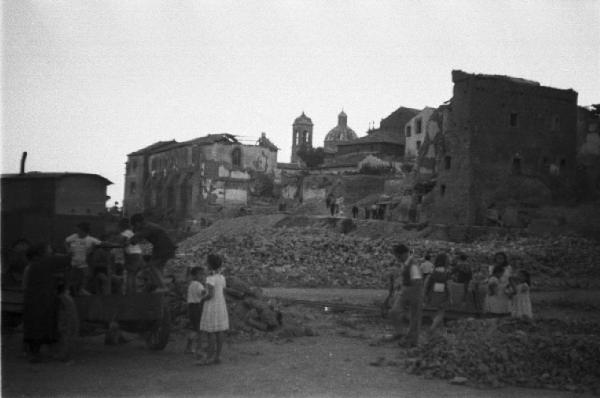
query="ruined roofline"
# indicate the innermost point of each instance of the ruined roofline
(210, 139)
(460, 76)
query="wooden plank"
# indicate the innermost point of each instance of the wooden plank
(137, 307)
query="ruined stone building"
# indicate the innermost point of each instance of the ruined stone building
(415, 131)
(505, 142)
(588, 150)
(179, 179)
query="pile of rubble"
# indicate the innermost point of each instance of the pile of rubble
(250, 313)
(545, 354)
(310, 254)
(232, 226)
(298, 257)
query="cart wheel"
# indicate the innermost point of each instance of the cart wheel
(158, 337)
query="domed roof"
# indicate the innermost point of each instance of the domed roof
(303, 119)
(341, 132)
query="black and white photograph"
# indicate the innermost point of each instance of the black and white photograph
(300, 198)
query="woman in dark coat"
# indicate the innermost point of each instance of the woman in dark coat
(40, 302)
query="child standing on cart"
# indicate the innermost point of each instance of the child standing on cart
(133, 256)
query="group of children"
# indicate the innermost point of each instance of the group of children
(451, 282)
(207, 311)
(496, 289)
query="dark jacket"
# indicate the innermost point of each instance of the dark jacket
(40, 301)
(162, 246)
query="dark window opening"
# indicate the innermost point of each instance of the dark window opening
(447, 162)
(408, 131)
(442, 190)
(418, 126)
(556, 123)
(563, 163)
(132, 187)
(236, 157)
(516, 166)
(419, 199)
(514, 120)
(418, 145)
(133, 165)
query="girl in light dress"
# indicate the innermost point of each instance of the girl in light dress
(520, 300)
(497, 300)
(215, 319)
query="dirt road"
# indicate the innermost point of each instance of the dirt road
(322, 366)
(336, 363)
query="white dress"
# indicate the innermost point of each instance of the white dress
(214, 315)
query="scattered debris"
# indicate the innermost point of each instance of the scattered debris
(546, 353)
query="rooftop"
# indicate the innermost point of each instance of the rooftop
(377, 136)
(39, 175)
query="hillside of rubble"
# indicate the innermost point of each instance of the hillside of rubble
(302, 251)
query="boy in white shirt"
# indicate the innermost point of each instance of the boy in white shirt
(410, 297)
(79, 246)
(133, 256)
(196, 295)
(426, 266)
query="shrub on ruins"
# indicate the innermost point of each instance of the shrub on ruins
(313, 157)
(374, 165)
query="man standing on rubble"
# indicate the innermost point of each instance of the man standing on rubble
(408, 287)
(163, 247)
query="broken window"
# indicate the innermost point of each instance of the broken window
(418, 126)
(514, 119)
(556, 123)
(408, 130)
(418, 145)
(516, 166)
(447, 162)
(442, 190)
(236, 157)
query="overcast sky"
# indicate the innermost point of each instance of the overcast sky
(86, 82)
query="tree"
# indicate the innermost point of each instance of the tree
(313, 157)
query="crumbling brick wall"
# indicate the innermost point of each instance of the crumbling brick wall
(503, 137)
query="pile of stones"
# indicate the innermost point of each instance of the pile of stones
(542, 354)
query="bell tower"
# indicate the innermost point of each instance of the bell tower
(302, 135)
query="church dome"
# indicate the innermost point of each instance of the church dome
(339, 133)
(303, 119)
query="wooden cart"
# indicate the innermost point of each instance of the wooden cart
(145, 313)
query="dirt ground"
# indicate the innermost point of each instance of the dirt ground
(336, 363)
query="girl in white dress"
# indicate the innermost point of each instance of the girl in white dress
(215, 319)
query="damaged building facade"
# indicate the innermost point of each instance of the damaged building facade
(179, 179)
(505, 142)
